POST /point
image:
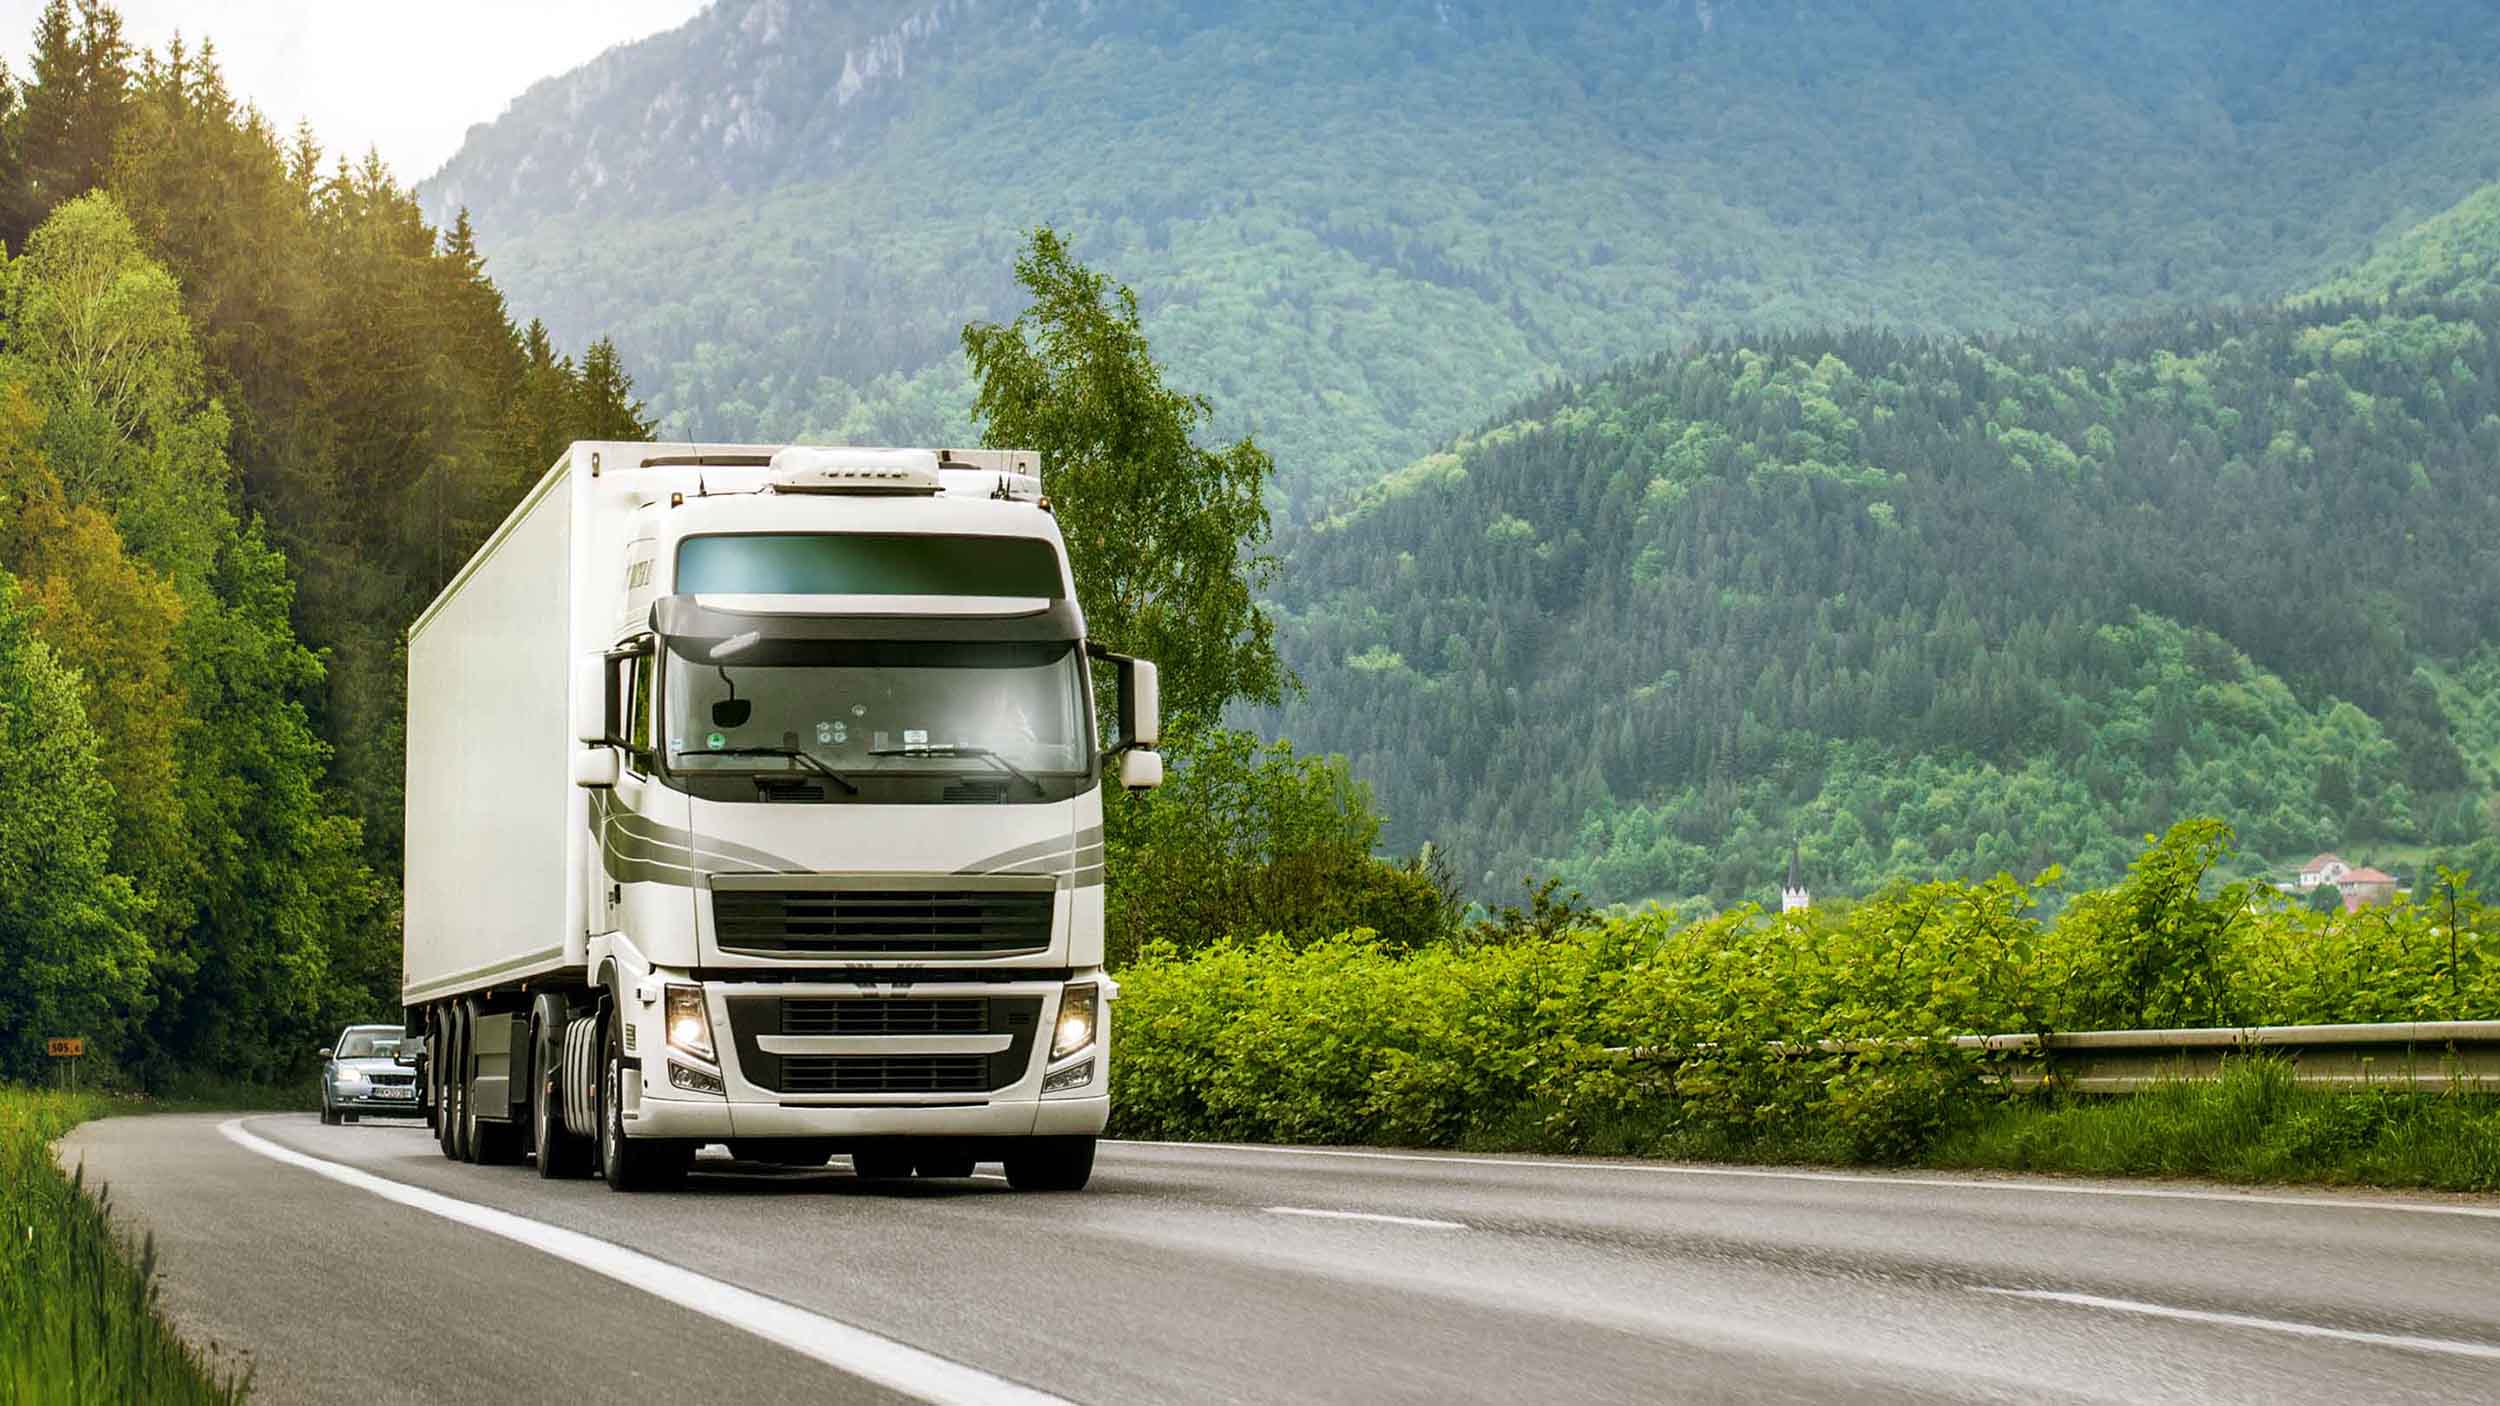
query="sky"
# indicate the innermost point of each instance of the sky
(406, 76)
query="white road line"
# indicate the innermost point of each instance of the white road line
(2450, 1346)
(2054, 1188)
(1366, 1215)
(854, 1350)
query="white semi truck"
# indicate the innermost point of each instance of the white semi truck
(755, 798)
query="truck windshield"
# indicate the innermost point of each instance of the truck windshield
(880, 710)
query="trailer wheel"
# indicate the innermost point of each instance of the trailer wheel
(438, 1088)
(457, 1106)
(1052, 1164)
(627, 1164)
(558, 1152)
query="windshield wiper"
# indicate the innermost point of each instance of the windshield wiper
(957, 749)
(795, 754)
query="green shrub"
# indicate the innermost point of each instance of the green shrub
(1823, 1034)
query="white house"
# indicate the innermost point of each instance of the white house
(2325, 869)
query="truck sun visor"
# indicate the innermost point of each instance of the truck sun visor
(688, 617)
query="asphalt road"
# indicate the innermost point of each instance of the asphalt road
(1256, 1275)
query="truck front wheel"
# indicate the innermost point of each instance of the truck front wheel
(626, 1164)
(1051, 1164)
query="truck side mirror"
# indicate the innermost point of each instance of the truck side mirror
(1141, 704)
(595, 768)
(594, 699)
(1141, 770)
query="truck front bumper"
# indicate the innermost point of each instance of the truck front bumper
(718, 1119)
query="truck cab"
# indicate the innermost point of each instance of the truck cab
(836, 857)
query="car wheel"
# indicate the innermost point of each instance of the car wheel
(329, 1115)
(1052, 1164)
(626, 1163)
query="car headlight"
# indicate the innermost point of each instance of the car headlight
(347, 1078)
(689, 1023)
(1076, 1021)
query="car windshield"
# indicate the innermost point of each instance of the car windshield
(368, 1044)
(866, 708)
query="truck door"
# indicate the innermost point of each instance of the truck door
(635, 790)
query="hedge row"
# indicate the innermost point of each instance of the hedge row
(1489, 1042)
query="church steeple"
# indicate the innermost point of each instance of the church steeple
(1793, 895)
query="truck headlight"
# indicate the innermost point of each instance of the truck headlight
(689, 1023)
(1076, 1021)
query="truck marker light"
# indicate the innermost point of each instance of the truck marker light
(1075, 1076)
(693, 1080)
(689, 1024)
(1076, 1021)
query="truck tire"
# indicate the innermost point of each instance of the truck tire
(625, 1163)
(457, 1090)
(438, 1088)
(557, 1152)
(1051, 1164)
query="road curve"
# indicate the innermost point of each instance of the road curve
(1199, 1273)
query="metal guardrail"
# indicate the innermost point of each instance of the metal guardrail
(2426, 1056)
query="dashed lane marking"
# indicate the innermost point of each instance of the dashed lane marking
(1418, 1221)
(2449, 1346)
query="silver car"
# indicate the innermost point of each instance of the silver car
(362, 1074)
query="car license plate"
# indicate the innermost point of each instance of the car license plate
(387, 1091)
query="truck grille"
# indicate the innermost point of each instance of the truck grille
(885, 1074)
(883, 922)
(885, 1016)
(753, 1016)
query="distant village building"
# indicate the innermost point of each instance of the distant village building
(2365, 886)
(2325, 869)
(2359, 886)
(1793, 895)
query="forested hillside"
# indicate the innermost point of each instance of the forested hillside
(1936, 607)
(1359, 226)
(253, 412)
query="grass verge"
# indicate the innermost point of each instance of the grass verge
(2254, 1124)
(78, 1315)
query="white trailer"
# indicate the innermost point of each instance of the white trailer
(755, 797)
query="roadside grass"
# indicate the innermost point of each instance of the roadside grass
(78, 1315)
(2254, 1124)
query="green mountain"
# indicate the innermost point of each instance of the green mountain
(2453, 254)
(1360, 225)
(1945, 606)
